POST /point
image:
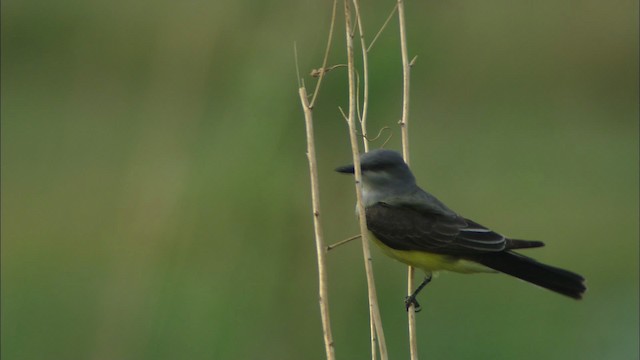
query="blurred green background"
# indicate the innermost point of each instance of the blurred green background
(155, 191)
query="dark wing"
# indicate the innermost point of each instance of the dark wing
(404, 228)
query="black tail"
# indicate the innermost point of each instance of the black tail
(561, 281)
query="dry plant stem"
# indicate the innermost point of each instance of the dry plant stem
(411, 315)
(365, 71)
(374, 311)
(404, 125)
(321, 250)
(342, 242)
(326, 54)
(363, 129)
(406, 74)
(382, 27)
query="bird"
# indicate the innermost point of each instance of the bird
(414, 227)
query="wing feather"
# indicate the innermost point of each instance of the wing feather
(405, 228)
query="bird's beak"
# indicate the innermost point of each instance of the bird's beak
(347, 169)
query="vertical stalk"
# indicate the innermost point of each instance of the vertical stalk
(321, 249)
(374, 311)
(365, 75)
(404, 126)
(365, 142)
(406, 74)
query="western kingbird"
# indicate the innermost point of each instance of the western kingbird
(414, 227)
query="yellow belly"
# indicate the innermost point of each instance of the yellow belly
(429, 262)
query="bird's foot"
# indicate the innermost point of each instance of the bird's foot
(411, 300)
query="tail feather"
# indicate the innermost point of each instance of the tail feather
(555, 279)
(523, 244)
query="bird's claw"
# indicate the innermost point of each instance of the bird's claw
(411, 300)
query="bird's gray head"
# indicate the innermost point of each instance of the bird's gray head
(382, 169)
(387, 178)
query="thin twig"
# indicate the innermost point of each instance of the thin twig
(365, 70)
(413, 61)
(358, 104)
(321, 250)
(379, 133)
(344, 116)
(326, 54)
(406, 74)
(374, 311)
(386, 141)
(363, 128)
(320, 72)
(404, 128)
(383, 27)
(295, 58)
(342, 242)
